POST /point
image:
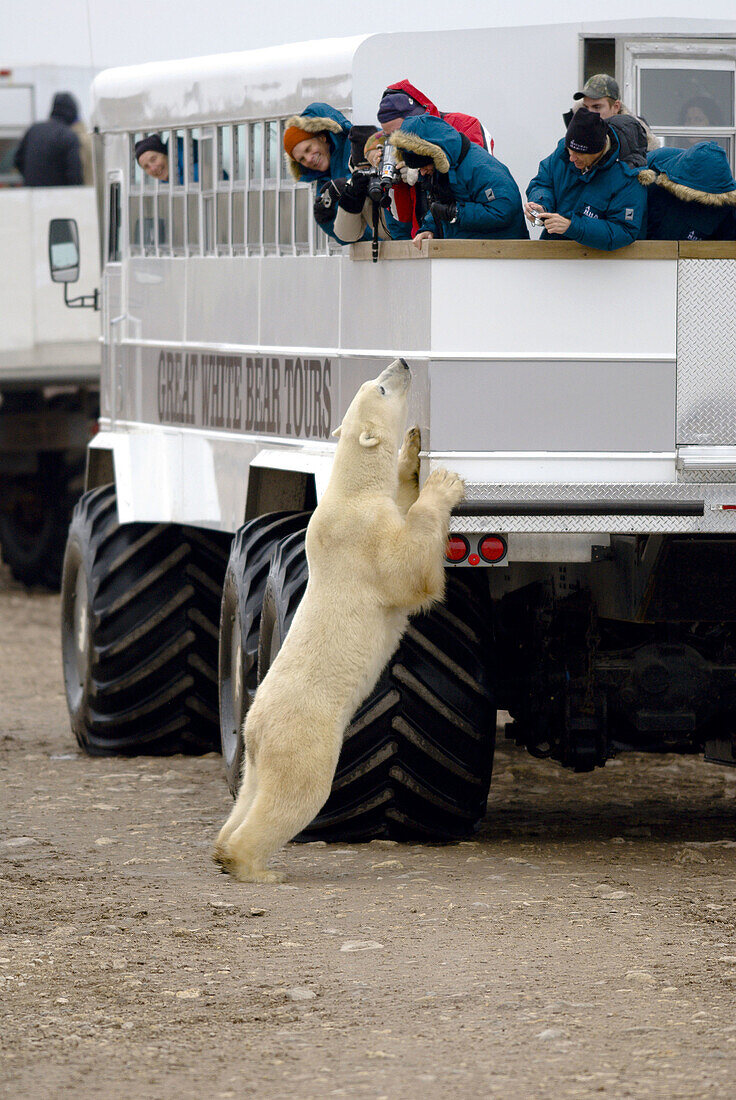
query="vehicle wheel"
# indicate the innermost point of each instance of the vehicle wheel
(139, 611)
(34, 522)
(418, 754)
(240, 619)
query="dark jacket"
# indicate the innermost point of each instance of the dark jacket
(632, 139)
(606, 205)
(691, 194)
(48, 155)
(487, 198)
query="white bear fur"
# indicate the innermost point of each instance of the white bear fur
(375, 548)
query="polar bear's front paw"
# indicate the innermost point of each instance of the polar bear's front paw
(448, 485)
(410, 448)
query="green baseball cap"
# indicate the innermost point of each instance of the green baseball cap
(599, 86)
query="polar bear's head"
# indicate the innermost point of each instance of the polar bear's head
(376, 416)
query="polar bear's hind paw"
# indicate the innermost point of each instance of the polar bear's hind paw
(230, 865)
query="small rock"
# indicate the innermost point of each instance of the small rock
(361, 945)
(188, 994)
(104, 840)
(608, 893)
(643, 977)
(300, 993)
(551, 1033)
(19, 841)
(255, 912)
(689, 855)
(618, 840)
(384, 843)
(727, 959)
(222, 905)
(387, 863)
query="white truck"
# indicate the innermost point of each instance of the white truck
(49, 357)
(591, 568)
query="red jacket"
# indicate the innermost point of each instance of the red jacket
(404, 197)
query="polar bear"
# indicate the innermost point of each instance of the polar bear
(375, 549)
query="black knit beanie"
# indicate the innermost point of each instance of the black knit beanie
(586, 132)
(150, 144)
(415, 160)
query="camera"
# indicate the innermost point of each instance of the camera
(384, 177)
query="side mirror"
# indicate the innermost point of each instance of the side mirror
(64, 250)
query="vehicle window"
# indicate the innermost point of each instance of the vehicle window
(240, 152)
(113, 223)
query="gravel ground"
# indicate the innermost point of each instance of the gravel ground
(582, 944)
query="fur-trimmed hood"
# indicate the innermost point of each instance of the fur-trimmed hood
(699, 174)
(316, 118)
(429, 137)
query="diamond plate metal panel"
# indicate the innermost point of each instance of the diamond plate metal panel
(706, 352)
(713, 520)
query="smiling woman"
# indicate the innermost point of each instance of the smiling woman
(153, 156)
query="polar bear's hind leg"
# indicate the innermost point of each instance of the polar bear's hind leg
(239, 812)
(280, 810)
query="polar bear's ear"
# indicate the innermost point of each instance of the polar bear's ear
(338, 431)
(368, 438)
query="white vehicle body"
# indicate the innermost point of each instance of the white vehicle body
(190, 325)
(49, 355)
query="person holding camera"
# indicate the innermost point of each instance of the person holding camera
(583, 192)
(471, 194)
(317, 148)
(402, 100)
(364, 206)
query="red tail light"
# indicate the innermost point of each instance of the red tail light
(492, 548)
(457, 548)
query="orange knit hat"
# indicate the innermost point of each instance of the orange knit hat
(292, 136)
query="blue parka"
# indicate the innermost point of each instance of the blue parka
(606, 205)
(487, 198)
(315, 118)
(691, 194)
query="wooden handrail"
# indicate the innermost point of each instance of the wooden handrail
(544, 250)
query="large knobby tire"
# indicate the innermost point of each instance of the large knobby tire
(140, 606)
(34, 525)
(418, 754)
(240, 620)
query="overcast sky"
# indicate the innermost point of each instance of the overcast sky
(102, 33)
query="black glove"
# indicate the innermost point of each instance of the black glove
(444, 211)
(325, 205)
(354, 192)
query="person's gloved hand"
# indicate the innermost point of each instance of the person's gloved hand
(444, 211)
(325, 205)
(354, 192)
(409, 175)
